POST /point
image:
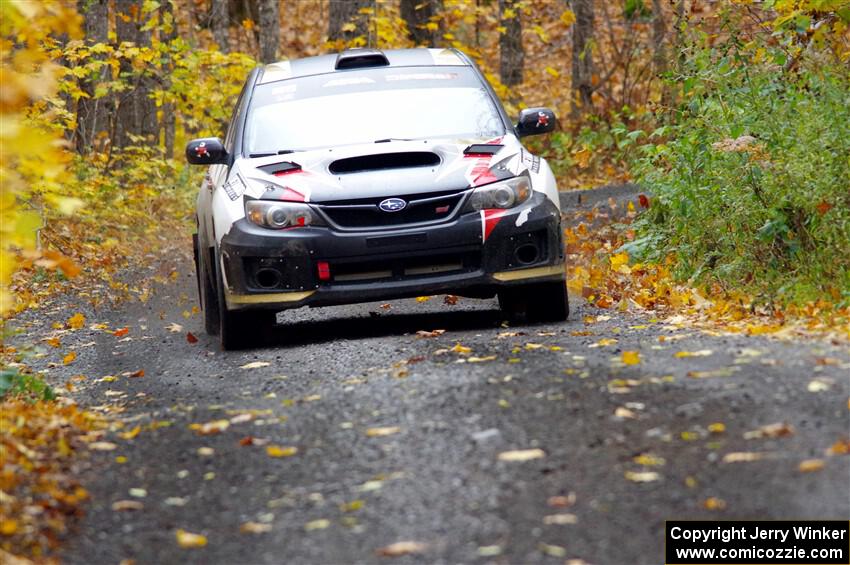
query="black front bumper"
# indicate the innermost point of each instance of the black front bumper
(281, 269)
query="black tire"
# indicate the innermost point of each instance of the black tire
(208, 293)
(239, 328)
(540, 302)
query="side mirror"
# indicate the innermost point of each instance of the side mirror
(533, 121)
(206, 151)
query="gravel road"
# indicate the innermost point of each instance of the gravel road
(407, 438)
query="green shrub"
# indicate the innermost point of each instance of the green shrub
(752, 180)
(15, 383)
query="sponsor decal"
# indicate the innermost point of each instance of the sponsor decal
(542, 120)
(489, 220)
(235, 187)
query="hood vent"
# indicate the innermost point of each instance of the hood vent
(278, 169)
(384, 161)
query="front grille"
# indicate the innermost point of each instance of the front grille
(421, 209)
(401, 268)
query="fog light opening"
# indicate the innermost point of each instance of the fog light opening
(267, 278)
(527, 254)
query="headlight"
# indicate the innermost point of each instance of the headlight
(279, 215)
(503, 194)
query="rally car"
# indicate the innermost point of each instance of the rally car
(372, 175)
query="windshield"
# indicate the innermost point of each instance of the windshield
(391, 104)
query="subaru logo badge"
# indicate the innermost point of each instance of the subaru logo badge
(392, 205)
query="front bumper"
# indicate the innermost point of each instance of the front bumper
(475, 255)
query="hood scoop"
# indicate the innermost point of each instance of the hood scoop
(384, 161)
(279, 169)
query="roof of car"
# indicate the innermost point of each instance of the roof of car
(323, 64)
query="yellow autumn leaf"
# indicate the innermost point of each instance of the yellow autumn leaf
(423, 298)
(568, 18)
(188, 540)
(69, 358)
(76, 321)
(520, 455)
(461, 349)
(631, 357)
(279, 451)
(382, 431)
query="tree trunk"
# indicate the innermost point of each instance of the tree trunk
(92, 114)
(136, 110)
(269, 16)
(511, 54)
(342, 12)
(582, 57)
(168, 123)
(220, 24)
(417, 14)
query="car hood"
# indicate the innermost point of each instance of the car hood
(381, 170)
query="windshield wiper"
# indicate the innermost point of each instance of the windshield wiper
(389, 139)
(281, 152)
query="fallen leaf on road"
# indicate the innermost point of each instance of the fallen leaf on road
(69, 358)
(381, 432)
(188, 540)
(481, 359)
(121, 332)
(717, 427)
(138, 492)
(400, 548)
(130, 434)
(210, 428)
(254, 528)
(810, 465)
(241, 418)
(423, 298)
(700, 353)
(137, 374)
(631, 357)
(190, 337)
(255, 365)
(251, 440)
(489, 550)
(124, 505)
(460, 349)
(434, 333)
(714, 503)
(77, 321)
(724, 372)
(317, 525)
(604, 342)
(278, 451)
(502, 335)
(174, 328)
(102, 446)
(552, 550)
(450, 299)
(649, 460)
(840, 447)
(562, 501)
(560, 519)
(621, 412)
(176, 501)
(533, 346)
(742, 457)
(779, 429)
(642, 476)
(819, 385)
(522, 455)
(206, 451)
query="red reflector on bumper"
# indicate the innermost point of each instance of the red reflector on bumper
(324, 271)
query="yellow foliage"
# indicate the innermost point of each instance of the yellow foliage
(33, 157)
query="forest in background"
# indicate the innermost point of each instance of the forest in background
(731, 114)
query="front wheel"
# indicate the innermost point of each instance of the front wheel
(538, 302)
(239, 328)
(208, 293)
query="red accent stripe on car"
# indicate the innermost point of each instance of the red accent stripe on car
(489, 219)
